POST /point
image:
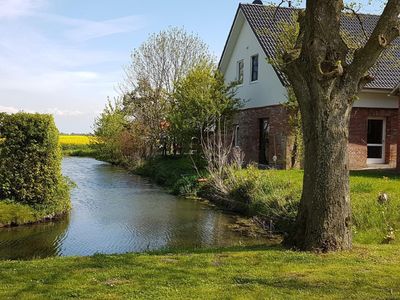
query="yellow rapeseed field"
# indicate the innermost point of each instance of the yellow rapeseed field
(76, 139)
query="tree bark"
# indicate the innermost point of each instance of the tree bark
(326, 85)
(324, 218)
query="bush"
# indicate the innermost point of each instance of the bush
(177, 173)
(30, 169)
(186, 186)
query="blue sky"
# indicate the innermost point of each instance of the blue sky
(66, 56)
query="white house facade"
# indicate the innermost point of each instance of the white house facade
(262, 127)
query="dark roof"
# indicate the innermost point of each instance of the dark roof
(266, 28)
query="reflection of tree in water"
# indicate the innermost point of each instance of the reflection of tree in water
(198, 226)
(35, 241)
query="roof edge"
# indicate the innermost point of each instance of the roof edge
(229, 35)
(395, 91)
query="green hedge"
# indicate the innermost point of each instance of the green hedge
(30, 168)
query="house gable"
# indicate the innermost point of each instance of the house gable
(241, 45)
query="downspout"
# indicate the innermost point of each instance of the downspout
(396, 92)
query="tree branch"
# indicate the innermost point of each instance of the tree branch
(385, 32)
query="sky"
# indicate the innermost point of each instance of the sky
(65, 57)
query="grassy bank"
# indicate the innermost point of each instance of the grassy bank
(14, 214)
(368, 272)
(274, 194)
(78, 145)
(177, 174)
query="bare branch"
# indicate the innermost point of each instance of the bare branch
(355, 13)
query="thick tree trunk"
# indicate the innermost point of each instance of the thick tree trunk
(326, 84)
(324, 219)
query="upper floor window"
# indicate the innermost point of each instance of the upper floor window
(240, 71)
(254, 68)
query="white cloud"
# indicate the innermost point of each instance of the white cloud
(59, 112)
(8, 109)
(48, 63)
(82, 30)
(10, 9)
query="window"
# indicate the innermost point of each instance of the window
(254, 68)
(240, 68)
(236, 136)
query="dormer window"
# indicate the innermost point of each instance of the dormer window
(240, 71)
(254, 68)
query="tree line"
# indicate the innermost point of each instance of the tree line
(172, 92)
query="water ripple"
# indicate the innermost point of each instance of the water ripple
(116, 212)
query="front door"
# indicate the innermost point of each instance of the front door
(376, 141)
(264, 142)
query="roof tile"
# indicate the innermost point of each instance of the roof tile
(266, 28)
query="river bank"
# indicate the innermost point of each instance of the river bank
(273, 195)
(15, 214)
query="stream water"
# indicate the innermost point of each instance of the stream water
(117, 212)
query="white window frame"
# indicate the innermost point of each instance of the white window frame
(371, 161)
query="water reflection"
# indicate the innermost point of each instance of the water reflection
(116, 212)
(39, 241)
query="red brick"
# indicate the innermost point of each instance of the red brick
(281, 139)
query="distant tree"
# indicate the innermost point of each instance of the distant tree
(164, 59)
(149, 84)
(200, 98)
(108, 128)
(147, 109)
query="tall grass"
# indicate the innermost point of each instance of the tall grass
(275, 195)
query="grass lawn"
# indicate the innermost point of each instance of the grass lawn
(368, 272)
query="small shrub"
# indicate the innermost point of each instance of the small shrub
(168, 171)
(186, 186)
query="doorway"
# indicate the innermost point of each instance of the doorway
(376, 140)
(264, 142)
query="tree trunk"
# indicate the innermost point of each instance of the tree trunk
(326, 84)
(324, 218)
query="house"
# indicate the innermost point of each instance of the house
(262, 127)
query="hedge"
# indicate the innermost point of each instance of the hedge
(30, 160)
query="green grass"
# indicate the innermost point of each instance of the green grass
(14, 213)
(171, 172)
(275, 194)
(368, 272)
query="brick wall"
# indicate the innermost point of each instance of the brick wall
(358, 135)
(279, 134)
(281, 140)
(398, 138)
